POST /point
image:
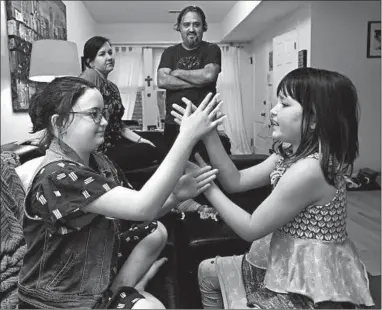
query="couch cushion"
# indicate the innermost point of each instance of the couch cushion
(24, 151)
(26, 170)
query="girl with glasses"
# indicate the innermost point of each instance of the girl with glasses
(81, 215)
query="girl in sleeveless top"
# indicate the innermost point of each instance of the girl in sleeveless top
(301, 256)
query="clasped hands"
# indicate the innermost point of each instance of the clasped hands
(199, 177)
(212, 106)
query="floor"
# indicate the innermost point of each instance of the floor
(364, 227)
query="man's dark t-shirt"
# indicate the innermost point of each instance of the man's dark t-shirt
(177, 57)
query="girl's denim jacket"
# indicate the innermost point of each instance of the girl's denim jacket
(72, 270)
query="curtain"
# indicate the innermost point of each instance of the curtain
(157, 54)
(228, 86)
(128, 75)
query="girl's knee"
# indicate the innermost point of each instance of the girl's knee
(160, 234)
(207, 269)
(162, 231)
(149, 302)
(158, 238)
(209, 285)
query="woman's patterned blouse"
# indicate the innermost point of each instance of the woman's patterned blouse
(113, 104)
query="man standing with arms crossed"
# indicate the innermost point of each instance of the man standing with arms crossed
(189, 69)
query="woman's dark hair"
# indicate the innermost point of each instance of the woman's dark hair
(57, 97)
(91, 48)
(187, 9)
(328, 99)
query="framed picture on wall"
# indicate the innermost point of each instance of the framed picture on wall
(28, 21)
(374, 39)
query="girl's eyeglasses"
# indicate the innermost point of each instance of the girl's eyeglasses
(95, 114)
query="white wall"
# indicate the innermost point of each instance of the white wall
(236, 15)
(80, 24)
(151, 33)
(262, 45)
(339, 31)
(80, 27)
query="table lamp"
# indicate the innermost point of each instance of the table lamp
(53, 58)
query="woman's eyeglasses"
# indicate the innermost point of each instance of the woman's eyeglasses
(95, 114)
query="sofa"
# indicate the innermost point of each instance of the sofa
(191, 239)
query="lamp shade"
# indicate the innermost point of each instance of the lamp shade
(53, 58)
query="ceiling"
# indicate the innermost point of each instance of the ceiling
(262, 17)
(107, 12)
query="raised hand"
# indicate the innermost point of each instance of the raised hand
(178, 114)
(203, 120)
(194, 182)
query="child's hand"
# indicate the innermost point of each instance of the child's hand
(194, 182)
(202, 121)
(201, 163)
(181, 110)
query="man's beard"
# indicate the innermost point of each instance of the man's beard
(193, 42)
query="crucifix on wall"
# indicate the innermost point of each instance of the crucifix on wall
(148, 80)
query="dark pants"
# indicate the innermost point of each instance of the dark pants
(130, 156)
(170, 133)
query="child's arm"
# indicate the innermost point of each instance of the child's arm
(302, 185)
(232, 179)
(229, 176)
(144, 204)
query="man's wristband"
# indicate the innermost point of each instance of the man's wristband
(140, 138)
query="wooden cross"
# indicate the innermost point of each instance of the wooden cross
(148, 80)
